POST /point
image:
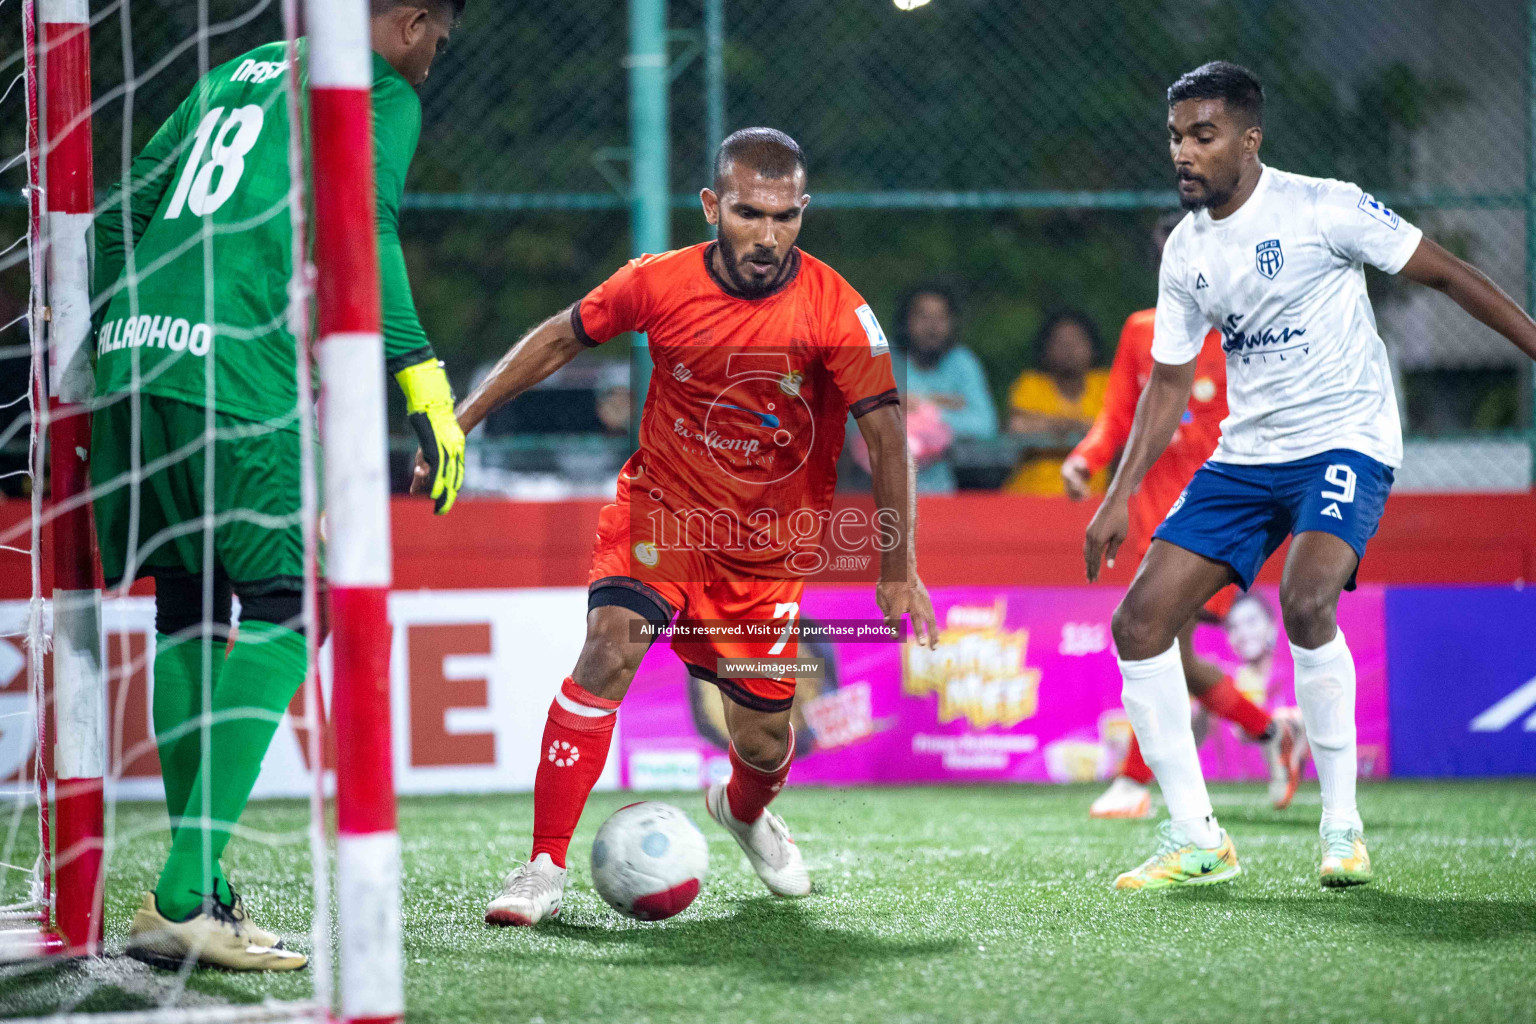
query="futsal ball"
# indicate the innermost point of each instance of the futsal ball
(649, 860)
(910, 5)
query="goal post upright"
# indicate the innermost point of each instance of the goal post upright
(78, 681)
(37, 686)
(358, 561)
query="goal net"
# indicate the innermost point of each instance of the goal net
(141, 472)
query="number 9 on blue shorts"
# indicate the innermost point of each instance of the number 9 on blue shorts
(1241, 514)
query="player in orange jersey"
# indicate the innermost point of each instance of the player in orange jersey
(1130, 794)
(760, 351)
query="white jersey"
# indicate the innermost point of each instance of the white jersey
(1283, 279)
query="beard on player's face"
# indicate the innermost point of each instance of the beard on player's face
(1212, 188)
(739, 264)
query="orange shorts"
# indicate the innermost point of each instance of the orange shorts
(629, 571)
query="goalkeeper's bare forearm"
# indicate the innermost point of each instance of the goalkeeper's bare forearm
(1158, 412)
(540, 353)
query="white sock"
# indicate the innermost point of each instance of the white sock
(1157, 703)
(1325, 690)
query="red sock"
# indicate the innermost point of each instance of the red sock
(575, 747)
(1226, 700)
(752, 789)
(1134, 767)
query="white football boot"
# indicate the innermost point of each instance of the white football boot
(767, 844)
(530, 893)
(1125, 798)
(1286, 754)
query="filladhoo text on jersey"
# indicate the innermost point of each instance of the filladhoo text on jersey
(147, 331)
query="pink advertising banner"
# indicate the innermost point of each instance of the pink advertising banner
(1023, 688)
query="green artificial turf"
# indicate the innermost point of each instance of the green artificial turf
(986, 904)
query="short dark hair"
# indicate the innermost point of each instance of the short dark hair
(378, 7)
(1233, 84)
(768, 151)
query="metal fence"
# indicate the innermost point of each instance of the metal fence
(1014, 150)
(1018, 152)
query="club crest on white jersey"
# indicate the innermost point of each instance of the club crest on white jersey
(1269, 258)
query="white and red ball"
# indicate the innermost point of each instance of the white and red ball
(649, 861)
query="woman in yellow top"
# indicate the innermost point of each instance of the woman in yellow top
(1062, 397)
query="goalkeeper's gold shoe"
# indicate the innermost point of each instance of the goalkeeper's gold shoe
(213, 937)
(255, 932)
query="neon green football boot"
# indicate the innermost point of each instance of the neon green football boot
(1345, 860)
(1180, 862)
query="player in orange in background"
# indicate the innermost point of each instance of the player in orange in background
(761, 352)
(1130, 794)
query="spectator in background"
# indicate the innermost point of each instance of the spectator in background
(1061, 398)
(942, 374)
(611, 401)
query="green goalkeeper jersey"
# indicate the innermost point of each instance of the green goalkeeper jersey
(201, 315)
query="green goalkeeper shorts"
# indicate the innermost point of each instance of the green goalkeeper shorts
(253, 498)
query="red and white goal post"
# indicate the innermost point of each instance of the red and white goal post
(358, 560)
(67, 916)
(69, 884)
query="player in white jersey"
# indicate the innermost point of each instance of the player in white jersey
(1276, 262)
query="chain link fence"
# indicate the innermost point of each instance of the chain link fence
(1015, 152)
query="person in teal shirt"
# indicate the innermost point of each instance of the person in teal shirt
(944, 373)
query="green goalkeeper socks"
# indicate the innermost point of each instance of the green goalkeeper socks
(178, 695)
(263, 671)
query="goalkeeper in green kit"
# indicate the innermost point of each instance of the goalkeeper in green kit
(195, 455)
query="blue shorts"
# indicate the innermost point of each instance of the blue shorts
(1240, 515)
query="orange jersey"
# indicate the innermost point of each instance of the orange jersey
(747, 403)
(1193, 441)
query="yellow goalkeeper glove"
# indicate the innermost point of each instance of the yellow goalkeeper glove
(429, 409)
